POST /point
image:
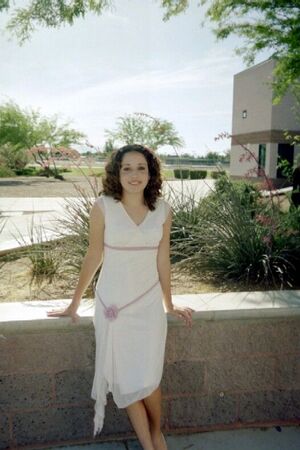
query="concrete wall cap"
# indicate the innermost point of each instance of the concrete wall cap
(32, 315)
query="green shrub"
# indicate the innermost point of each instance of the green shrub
(181, 173)
(217, 174)
(186, 217)
(46, 258)
(246, 191)
(13, 157)
(6, 172)
(45, 262)
(28, 171)
(64, 170)
(198, 174)
(236, 239)
(75, 221)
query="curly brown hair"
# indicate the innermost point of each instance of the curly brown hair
(111, 179)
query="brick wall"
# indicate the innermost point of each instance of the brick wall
(219, 374)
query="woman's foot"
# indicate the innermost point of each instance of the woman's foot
(159, 441)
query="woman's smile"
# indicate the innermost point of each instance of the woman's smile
(134, 171)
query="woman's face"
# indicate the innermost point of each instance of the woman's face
(134, 172)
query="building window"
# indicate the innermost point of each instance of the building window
(244, 114)
(261, 159)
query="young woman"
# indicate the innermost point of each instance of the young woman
(130, 232)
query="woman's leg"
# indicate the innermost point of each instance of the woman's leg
(139, 419)
(153, 408)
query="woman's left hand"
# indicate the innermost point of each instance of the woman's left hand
(183, 313)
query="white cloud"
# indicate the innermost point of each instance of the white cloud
(125, 61)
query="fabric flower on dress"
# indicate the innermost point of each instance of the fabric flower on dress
(111, 312)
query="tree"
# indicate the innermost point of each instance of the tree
(16, 126)
(13, 158)
(140, 128)
(108, 148)
(49, 13)
(22, 130)
(264, 25)
(213, 156)
(46, 157)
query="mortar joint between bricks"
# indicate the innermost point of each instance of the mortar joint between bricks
(10, 427)
(53, 388)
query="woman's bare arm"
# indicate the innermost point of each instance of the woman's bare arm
(164, 271)
(94, 254)
(164, 264)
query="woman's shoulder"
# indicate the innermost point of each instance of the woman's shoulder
(105, 198)
(105, 201)
(162, 202)
(164, 206)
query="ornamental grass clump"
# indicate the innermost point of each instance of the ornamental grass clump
(75, 222)
(45, 262)
(239, 238)
(186, 219)
(44, 255)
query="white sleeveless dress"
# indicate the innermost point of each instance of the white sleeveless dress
(130, 321)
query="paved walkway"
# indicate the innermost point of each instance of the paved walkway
(282, 438)
(25, 219)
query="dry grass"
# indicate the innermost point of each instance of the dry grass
(15, 284)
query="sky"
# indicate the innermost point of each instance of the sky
(127, 60)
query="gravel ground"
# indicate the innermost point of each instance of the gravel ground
(42, 187)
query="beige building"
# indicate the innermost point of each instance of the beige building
(260, 126)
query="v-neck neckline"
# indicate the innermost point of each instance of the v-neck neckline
(130, 218)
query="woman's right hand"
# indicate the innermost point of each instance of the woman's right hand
(70, 311)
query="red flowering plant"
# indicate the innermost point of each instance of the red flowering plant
(47, 156)
(242, 235)
(278, 230)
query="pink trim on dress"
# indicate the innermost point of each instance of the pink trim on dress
(111, 312)
(113, 247)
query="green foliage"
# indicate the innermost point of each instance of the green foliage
(198, 174)
(16, 126)
(50, 13)
(174, 7)
(231, 236)
(286, 169)
(217, 173)
(75, 225)
(24, 129)
(140, 128)
(247, 192)
(186, 218)
(108, 148)
(213, 156)
(13, 157)
(6, 172)
(26, 133)
(272, 25)
(45, 262)
(45, 256)
(182, 173)
(28, 172)
(263, 24)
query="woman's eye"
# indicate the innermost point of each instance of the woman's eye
(142, 168)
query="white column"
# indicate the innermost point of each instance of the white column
(271, 159)
(296, 153)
